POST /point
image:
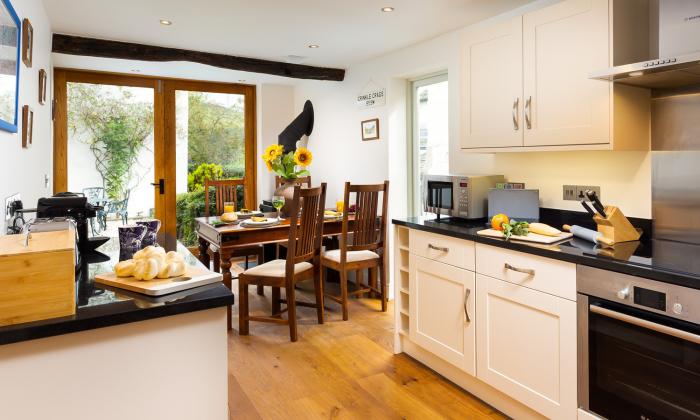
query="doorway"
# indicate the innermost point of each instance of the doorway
(142, 146)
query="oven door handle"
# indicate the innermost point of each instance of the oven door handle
(675, 332)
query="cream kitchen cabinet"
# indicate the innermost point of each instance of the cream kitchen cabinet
(442, 311)
(540, 96)
(526, 345)
(492, 86)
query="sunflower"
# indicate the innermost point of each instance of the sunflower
(303, 157)
(269, 165)
(272, 152)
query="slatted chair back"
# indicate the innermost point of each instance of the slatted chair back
(304, 181)
(306, 229)
(367, 233)
(225, 192)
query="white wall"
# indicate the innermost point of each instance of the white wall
(22, 170)
(340, 154)
(275, 112)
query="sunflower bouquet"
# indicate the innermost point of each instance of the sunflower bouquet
(287, 165)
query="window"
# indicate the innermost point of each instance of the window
(430, 145)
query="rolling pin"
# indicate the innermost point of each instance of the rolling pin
(588, 234)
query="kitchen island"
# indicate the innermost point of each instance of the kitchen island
(123, 354)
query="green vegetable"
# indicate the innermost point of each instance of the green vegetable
(515, 228)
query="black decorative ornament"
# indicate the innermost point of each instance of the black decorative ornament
(303, 124)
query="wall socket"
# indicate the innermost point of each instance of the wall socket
(577, 192)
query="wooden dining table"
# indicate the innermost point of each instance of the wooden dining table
(227, 238)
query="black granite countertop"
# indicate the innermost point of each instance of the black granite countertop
(103, 306)
(665, 261)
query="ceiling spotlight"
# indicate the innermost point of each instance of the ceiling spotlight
(166, 22)
(636, 73)
(387, 9)
(313, 46)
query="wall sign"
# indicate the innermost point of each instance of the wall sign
(371, 96)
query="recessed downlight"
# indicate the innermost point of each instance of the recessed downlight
(636, 73)
(387, 9)
(166, 22)
(312, 46)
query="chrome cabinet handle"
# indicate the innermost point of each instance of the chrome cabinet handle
(529, 271)
(516, 108)
(643, 323)
(466, 299)
(439, 248)
(528, 112)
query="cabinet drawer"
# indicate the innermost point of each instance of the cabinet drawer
(445, 249)
(544, 274)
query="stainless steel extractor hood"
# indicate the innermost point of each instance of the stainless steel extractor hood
(670, 72)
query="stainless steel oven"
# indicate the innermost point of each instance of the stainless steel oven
(638, 347)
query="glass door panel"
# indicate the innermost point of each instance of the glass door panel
(211, 142)
(110, 151)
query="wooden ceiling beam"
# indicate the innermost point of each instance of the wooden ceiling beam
(76, 45)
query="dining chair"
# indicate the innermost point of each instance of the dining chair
(368, 240)
(226, 191)
(301, 181)
(302, 262)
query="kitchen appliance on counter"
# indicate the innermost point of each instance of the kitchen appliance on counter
(521, 205)
(462, 196)
(638, 347)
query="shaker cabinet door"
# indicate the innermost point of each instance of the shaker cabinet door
(562, 44)
(526, 346)
(492, 86)
(442, 311)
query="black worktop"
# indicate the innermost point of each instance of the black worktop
(665, 261)
(103, 306)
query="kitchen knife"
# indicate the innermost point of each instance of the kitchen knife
(588, 208)
(597, 205)
(588, 234)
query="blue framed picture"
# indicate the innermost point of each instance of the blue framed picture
(10, 39)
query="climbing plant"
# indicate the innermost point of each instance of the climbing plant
(115, 126)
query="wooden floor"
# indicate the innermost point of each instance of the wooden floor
(343, 370)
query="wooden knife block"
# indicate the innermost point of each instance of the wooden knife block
(616, 226)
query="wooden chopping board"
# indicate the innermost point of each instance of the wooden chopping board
(193, 277)
(531, 237)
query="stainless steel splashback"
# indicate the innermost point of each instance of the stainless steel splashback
(676, 164)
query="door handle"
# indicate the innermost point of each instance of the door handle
(516, 109)
(643, 323)
(529, 271)
(467, 292)
(160, 184)
(528, 113)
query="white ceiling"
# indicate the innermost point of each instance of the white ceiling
(348, 31)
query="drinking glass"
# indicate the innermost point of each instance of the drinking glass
(228, 207)
(278, 203)
(340, 205)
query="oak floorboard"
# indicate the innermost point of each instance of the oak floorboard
(339, 370)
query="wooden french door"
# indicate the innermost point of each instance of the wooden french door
(171, 161)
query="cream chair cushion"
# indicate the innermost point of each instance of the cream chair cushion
(353, 256)
(275, 268)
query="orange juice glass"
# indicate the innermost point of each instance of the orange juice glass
(228, 207)
(340, 205)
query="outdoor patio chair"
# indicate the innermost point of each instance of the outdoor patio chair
(97, 197)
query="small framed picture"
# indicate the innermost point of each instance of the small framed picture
(370, 129)
(27, 126)
(27, 42)
(42, 86)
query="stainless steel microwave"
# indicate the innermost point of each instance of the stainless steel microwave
(463, 196)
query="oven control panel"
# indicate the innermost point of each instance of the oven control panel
(650, 295)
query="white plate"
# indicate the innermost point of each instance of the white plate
(266, 223)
